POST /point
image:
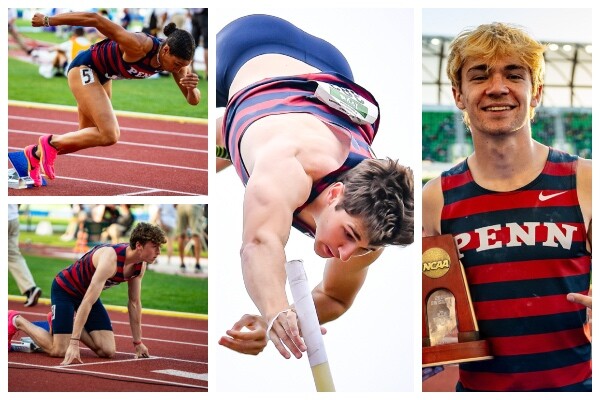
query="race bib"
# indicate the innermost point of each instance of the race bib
(360, 110)
(87, 75)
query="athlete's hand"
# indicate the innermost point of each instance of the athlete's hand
(581, 299)
(286, 334)
(37, 20)
(189, 80)
(428, 372)
(141, 351)
(72, 353)
(252, 341)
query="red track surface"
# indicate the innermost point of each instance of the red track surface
(179, 344)
(154, 157)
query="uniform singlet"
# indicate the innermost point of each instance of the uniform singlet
(295, 94)
(523, 252)
(108, 62)
(76, 278)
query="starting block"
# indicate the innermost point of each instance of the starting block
(25, 345)
(18, 176)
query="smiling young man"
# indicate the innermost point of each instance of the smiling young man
(521, 216)
(77, 311)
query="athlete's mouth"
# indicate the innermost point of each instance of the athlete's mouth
(498, 108)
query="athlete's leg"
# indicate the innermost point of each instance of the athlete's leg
(101, 342)
(55, 345)
(97, 333)
(100, 126)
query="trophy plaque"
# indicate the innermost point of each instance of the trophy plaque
(450, 331)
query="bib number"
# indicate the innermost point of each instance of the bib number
(360, 110)
(87, 76)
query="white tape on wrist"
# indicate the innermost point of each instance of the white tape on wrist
(270, 325)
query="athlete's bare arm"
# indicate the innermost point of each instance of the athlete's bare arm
(278, 185)
(134, 45)
(134, 308)
(341, 283)
(433, 202)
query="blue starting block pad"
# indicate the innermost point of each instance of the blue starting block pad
(18, 176)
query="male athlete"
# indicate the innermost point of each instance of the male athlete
(76, 293)
(521, 216)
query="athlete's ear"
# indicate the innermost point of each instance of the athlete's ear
(458, 98)
(335, 192)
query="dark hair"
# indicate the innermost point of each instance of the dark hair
(144, 233)
(381, 193)
(78, 31)
(181, 43)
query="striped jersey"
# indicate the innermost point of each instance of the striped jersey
(523, 252)
(108, 61)
(76, 278)
(296, 94)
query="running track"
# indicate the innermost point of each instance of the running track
(178, 359)
(155, 155)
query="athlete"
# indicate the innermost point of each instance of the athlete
(307, 163)
(76, 293)
(122, 55)
(521, 216)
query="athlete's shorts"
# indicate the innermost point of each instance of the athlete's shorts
(64, 306)
(85, 58)
(254, 35)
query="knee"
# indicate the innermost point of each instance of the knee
(106, 353)
(110, 135)
(56, 352)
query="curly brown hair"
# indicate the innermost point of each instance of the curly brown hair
(144, 233)
(381, 193)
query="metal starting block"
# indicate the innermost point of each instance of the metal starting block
(18, 176)
(25, 345)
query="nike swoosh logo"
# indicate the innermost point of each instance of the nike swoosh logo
(548, 197)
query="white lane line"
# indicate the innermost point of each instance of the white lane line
(95, 373)
(156, 146)
(183, 374)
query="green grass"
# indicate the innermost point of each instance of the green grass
(156, 96)
(159, 291)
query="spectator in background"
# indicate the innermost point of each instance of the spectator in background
(190, 217)
(121, 224)
(12, 30)
(58, 58)
(16, 263)
(126, 19)
(165, 217)
(200, 28)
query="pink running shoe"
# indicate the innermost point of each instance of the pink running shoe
(12, 329)
(48, 155)
(33, 165)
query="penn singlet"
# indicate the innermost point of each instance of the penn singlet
(523, 252)
(108, 61)
(76, 278)
(296, 94)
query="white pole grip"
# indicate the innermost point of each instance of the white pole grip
(309, 323)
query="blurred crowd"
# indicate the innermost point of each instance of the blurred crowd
(54, 59)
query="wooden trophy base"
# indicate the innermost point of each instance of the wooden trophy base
(453, 353)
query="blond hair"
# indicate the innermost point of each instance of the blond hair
(493, 41)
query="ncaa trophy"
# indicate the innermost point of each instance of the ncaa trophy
(450, 331)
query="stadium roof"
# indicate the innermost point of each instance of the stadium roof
(568, 80)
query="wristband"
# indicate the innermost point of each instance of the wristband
(46, 21)
(137, 343)
(74, 338)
